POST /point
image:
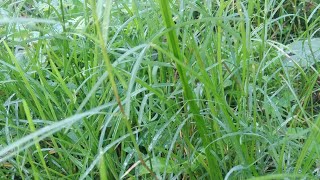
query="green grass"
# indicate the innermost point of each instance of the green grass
(158, 90)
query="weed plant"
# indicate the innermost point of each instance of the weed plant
(162, 89)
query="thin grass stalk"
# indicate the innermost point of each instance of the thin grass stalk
(251, 5)
(219, 45)
(33, 167)
(109, 68)
(244, 49)
(313, 137)
(214, 169)
(60, 79)
(245, 38)
(103, 169)
(208, 83)
(33, 129)
(20, 169)
(264, 29)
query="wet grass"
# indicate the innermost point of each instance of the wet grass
(157, 90)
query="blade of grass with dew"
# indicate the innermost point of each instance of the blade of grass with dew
(27, 141)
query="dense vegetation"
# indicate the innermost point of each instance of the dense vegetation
(166, 89)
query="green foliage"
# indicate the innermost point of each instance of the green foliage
(159, 89)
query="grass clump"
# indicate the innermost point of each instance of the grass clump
(159, 90)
